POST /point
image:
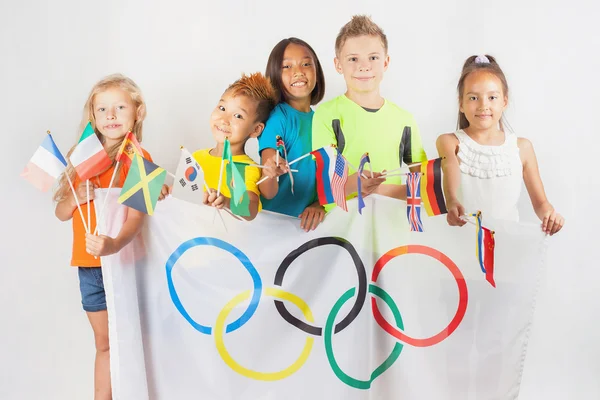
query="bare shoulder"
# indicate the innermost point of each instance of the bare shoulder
(447, 138)
(525, 145)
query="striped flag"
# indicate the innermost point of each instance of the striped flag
(413, 201)
(325, 166)
(45, 166)
(363, 160)
(485, 249)
(89, 157)
(338, 181)
(431, 187)
(128, 149)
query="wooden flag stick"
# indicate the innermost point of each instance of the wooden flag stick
(77, 201)
(87, 188)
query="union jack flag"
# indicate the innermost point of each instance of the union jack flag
(338, 181)
(413, 201)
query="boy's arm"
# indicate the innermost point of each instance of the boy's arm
(103, 245)
(225, 202)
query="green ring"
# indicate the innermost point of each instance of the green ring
(328, 330)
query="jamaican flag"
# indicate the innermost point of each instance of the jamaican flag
(142, 185)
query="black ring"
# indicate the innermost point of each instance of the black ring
(362, 284)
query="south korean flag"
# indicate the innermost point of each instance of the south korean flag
(189, 179)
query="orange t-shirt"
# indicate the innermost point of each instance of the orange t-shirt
(80, 257)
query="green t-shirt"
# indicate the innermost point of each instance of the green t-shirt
(390, 134)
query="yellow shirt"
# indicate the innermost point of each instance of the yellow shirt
(211, 166)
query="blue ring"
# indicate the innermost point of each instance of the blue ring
(208, 241)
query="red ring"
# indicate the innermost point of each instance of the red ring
(462, 292)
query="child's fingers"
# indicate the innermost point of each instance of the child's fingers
(309, 220)
(550, 224)
(545, 223)
(558, 224)
(317, 218)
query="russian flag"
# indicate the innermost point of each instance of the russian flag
(45, 166)
(89, 157)
(325, 170)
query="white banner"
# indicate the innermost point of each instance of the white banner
(361, 308)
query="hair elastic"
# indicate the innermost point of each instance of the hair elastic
(482, 60)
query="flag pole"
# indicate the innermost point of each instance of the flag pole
(77, 201)
(87, 188)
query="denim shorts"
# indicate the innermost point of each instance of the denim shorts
(91, 286)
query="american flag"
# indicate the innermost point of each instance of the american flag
(338, 181)
(413, 201)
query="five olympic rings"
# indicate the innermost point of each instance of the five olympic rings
(396, 330)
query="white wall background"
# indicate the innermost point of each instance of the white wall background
(184, 53)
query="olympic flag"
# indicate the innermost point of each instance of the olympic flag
(361, 308)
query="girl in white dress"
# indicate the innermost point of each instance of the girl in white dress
(484, 165)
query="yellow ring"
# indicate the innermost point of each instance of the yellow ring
(262, 376)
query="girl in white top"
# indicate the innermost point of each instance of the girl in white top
(484, 165)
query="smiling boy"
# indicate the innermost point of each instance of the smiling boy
(361, 120)
(241, 114)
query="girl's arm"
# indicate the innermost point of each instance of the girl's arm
(270, 187)
(552, 222)
(65, 208)
(103, 245)
(312, 216)
(446, 145)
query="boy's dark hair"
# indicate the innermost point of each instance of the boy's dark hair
(274, 64)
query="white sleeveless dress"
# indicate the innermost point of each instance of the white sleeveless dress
(491, 177)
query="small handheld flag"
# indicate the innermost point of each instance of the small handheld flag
(325, 165)
(431, 187)
(45, 166)
(143, 185)
(361, 166)
(240, 201)
(189, 179)
(89, 157)
(413, 201)
(486, 244)
(339, 179)
(281, 148)
(128, 149)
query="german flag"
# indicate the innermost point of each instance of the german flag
(431, 187)
(129, 147)
(142, 185)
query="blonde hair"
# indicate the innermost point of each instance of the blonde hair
(112, 81)
(359, 25)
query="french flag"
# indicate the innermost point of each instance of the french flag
(45, 166)
(325, 159)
